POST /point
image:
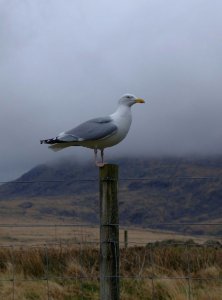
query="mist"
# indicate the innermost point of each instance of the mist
(63, 62)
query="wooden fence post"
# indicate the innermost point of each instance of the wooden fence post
(109, 233)
(125, 238)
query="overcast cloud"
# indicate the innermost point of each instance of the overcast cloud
(63, 62)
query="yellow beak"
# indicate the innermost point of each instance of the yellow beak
(139, 100)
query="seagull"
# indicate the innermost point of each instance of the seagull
(98, 133)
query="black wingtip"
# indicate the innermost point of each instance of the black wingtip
(50, 141)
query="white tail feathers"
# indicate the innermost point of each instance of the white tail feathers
(60, 146)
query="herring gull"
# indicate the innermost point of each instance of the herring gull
(98, 133)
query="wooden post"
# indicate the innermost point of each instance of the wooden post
(109, 233)
(125, 238)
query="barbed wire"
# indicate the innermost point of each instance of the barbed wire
(95, 226)
(169, 178)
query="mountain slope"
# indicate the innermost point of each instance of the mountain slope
(150, 191)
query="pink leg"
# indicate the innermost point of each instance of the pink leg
(99, 164)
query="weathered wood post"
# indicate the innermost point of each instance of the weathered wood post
(109, 233)
(125, 238)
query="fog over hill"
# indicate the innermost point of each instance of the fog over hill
(64, 62)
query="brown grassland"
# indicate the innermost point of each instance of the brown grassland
(62, 262)
(43, 257)
(163, 270)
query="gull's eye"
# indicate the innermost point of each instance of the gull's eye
(128, 97)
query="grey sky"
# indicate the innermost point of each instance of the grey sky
(63, 62)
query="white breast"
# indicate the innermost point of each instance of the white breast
(122, 118)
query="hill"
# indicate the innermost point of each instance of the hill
(151, 191)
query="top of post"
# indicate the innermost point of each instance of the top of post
(109, 172)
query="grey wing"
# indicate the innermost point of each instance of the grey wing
(91, 130)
